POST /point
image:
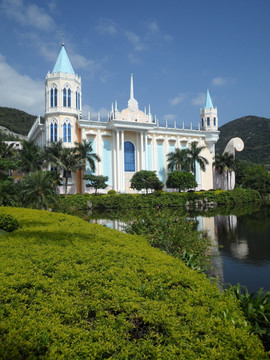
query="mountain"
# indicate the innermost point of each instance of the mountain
(16, 121)
(255, 133)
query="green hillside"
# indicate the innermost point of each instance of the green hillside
(16, 120)
(254, 131)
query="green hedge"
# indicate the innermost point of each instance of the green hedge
(77, 203)
(73, 290)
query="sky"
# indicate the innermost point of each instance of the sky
(176, 49)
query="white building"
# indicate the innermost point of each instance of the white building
(129, 140)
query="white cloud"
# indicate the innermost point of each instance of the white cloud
(27, 15)
(153, 27)
(135, 40)
(169, 117)
(199, 99)
(179, 98)
(154, 30)
(20, 91)
(220, 81)
(106, 26)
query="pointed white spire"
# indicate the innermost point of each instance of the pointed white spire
(112, 107)
(149, 111)
(175, 124)
(115, 106)
(131, 87)
(166, 123)
(132, 103)
(145, 110)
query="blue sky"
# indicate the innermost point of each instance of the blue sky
(176, 49)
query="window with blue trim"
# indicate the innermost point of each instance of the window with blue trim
(53, 132)
(65, 97)
(202, 123)
(69, 133)
(53, 97)
(129, 156)
(65, 132)
(208, 121)
(69, 98)
(78, 100)
(215, 122)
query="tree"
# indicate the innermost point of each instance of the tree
(85, 151)
(225, 163)
(146, 179)
(96, 181)
(38, 188)
(31, 157)
(178, 160)
(181, 180)
(194, 157)
(257, 178)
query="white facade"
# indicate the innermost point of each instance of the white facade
(128, 141)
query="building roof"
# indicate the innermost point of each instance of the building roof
(63, 63)
(208, 102)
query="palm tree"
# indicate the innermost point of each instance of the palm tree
(38, 188)
(194, 157)
(53, 152)
(86, 153)
(178, 160)
(225, 163)
(31, 157)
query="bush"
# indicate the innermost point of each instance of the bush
(74, 290)
(8, 223)
(111, 192)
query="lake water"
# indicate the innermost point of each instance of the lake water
(241, 246)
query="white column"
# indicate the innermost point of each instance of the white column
(142, 164)
(137, 152)
(146, 152)
(122, 162)
(178, 142)
(118, 160)
(165, 159)
(99, 152)
(114, 163)
(154, 152)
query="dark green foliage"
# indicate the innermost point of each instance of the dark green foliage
(38, 189)
(8, 223)
(111, 192)
(256, 308)
(31, 157)
(256, 178)
(172, 233)
(254, 131)
(96, 181)
(178, 160)
(73, 290)
(16, 120)
(146, 180)
(78, 202)
(181, 180)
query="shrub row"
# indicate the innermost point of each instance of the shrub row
(74, 203)
(73, 290)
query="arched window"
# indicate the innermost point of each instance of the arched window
(66, 96)
(129, 156)
(78, 99)
(53, 131)
(67, 131)
(202, 123)
(69, 98)
(53, 96)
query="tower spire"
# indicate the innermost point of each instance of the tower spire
(208, 102)
(132, 103)
(131, 87)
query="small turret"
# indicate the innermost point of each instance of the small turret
(209, 119)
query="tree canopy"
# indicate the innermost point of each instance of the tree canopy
(145, 180)
(181, 180)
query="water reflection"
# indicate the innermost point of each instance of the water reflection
(241, 245)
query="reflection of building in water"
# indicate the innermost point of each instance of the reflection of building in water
(112, 224)
(238, 247)
(207, 224)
